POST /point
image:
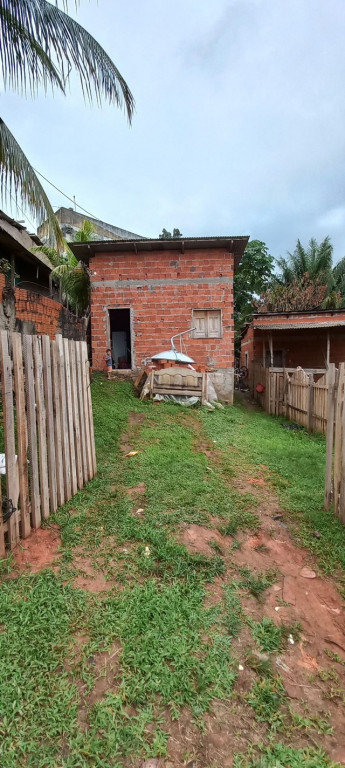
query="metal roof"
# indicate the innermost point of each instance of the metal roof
(290, 326)
(235, 245)
(18, 241)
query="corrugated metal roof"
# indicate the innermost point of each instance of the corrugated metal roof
(289, 326)
(234, 245)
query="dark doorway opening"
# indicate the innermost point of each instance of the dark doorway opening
(120, 337)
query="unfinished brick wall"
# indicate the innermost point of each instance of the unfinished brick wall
(162, 288)
(29, 312)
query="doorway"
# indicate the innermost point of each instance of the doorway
(120, 337)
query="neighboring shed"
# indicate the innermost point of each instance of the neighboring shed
(146, 291)
(27, 301)
(33, 269)
(289, 339)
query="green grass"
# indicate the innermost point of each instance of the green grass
(281, 756)
(174, 652)
(266, 698)
(257, 583)
(271, 637)
(295, 464)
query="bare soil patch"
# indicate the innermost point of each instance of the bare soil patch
(198, 539)
(40, 550)
(135, 418)
(138, 490)
(90, 579)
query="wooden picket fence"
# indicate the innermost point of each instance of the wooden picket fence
(47, 429)
(335, 451)
(301, 396)
(318, 405)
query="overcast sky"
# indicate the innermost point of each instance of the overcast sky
(239, 123)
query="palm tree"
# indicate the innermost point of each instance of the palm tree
(40, 45)
(73, 275)
(315, 260)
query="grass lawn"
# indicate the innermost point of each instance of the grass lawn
(133, 638)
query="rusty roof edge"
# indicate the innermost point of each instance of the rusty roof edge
(297, 326)
(87, 249)
(312, 312)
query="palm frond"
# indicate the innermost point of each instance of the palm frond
(17, 176)
(85, 233)
(31, 28)
(52, 254)
(23, 61)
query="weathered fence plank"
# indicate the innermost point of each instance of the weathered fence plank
(51, 424)
(89, 407)
(86, 383)
(60, 485)
(32, 432)
(9, 439)
(41, 426)
(80, 386)
(75, 414)
(74, 486)
(48, 394)
(22, 437)
(64, 419)
(2, 529)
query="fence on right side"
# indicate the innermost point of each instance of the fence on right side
(314, 399)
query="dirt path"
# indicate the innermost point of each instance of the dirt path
(311, 666)
(312, 669)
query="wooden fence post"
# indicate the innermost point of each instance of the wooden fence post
(338, 439)
(330, 434)
(342, 461)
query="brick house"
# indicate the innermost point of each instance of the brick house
(145, 291)
(289, 339)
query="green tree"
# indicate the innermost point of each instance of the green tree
(253, 276)
(165, 235)
(314, 260)
(306, 280)
(301, 294)
(40, 45)
(73, 275)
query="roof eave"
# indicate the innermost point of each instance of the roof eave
(236, 245)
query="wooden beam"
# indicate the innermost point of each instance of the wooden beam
(328, 349)
(270, 341)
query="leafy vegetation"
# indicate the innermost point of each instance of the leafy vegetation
(73, 275)
(253, 276)
(42, 45)
(256, 583)
(281, 756)
(271, 637)
(306, 279)
(166, 235)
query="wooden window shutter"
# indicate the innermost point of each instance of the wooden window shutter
(214, 324)
(200, 325)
